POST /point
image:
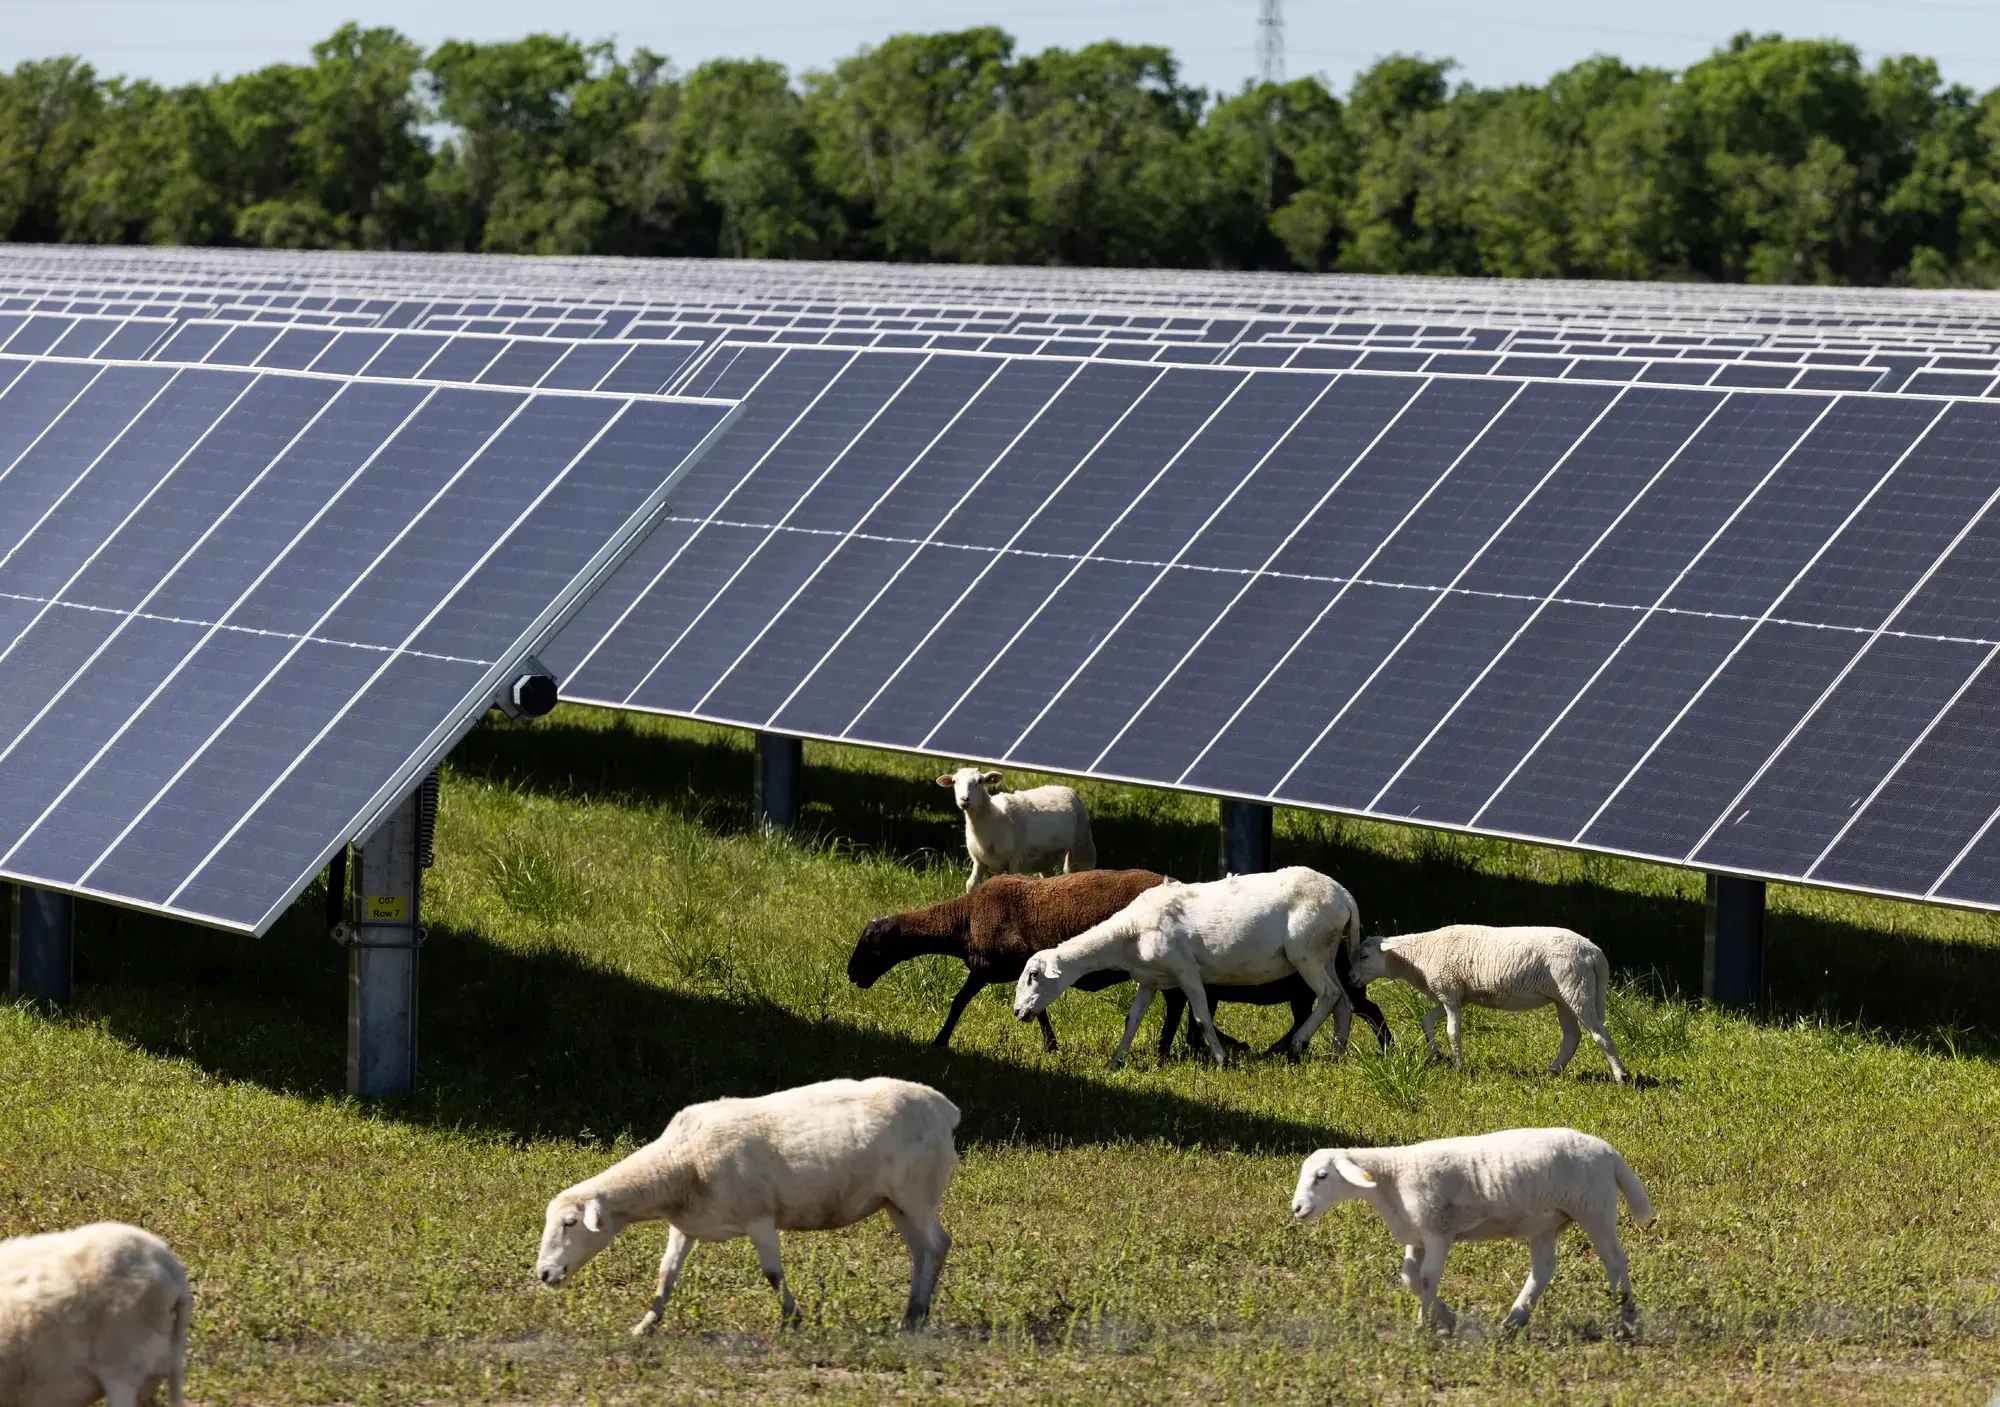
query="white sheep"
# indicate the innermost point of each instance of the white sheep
(1520, 1184)
(100, 1311)
(1020, 832)
(1240, 931)
(1508, 969)
(806, 1159)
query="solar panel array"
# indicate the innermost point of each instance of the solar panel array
(242, 613)
(1704, 575)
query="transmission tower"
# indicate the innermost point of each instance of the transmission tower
(1271, 69)
(1270, 41)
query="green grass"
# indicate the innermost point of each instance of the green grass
(610, 940)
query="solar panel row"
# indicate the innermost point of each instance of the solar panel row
(241, 614)
(1727, 629)
(1634, 570)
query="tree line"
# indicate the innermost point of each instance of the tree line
(1772, 160)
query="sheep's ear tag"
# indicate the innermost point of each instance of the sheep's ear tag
(1352, 1173)
(593, 1215)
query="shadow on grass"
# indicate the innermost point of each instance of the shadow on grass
(532, 1044)
(1902, 985)
(708, 779)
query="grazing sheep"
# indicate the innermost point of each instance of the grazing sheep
(1523, 1184)
(806, 1159)
(1508, 969)
(1291, 990)
(100, 1311)
(995, 928)
(1240, 931)
(1020, 832)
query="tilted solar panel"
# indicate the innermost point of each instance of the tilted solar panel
(242, 613)
(1747, 629)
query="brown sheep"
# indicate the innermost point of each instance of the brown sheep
(995, 928)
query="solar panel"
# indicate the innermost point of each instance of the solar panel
(242, 613)
(1747, 629)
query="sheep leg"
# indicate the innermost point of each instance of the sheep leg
(679, 1243)
(1604, 1240)
(1343, 973)
(1430, 1029)
(1454, 1027)
(1541, 1269)
(928, 1242)
(1602, 1039)
(1423, 1268)
(1176, 1001)
(974, 985)
(119, 1394)
(1048, 1032)
(1197, 1000)
(1142, 1000)
(764, 1237)
(979, 872)
(1170, 1024)
(1301, 1009)
(1570, 1034)
(1331, 997)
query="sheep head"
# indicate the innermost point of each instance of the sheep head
(1328, 1178)
(575, 1228)
(1367, 963)
(873, 955)
(1040, 983)
(968, 786)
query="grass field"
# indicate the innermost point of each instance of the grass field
(609, 940)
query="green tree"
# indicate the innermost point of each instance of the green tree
(918, 139)
(1279, 166)
(50, 113)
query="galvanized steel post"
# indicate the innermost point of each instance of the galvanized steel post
(779, 788)
(42, 954)
(1246, 837)
(384, 934)
(1732, 950)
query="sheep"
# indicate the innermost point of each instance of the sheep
(100, 1311)
(807, 1159)
(1242, 930)
(1508, 969)
(1020, 832)
(998, 926)
(995, 928)
(1523, 1184)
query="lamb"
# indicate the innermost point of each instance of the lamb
(995, 928)
(1524, 1184)
(1240, 931)
(1020, 832)
(1508, 969)
(100, 1311)
(806, 1159)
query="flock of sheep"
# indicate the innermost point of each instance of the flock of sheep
(102, 1311)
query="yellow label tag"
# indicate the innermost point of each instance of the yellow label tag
(386, 908)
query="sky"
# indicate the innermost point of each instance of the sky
(1495, 41)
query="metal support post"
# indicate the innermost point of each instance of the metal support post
(384, 933)
(1732, 950)
(1246, 837)
(43, 953)
(781, 765)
